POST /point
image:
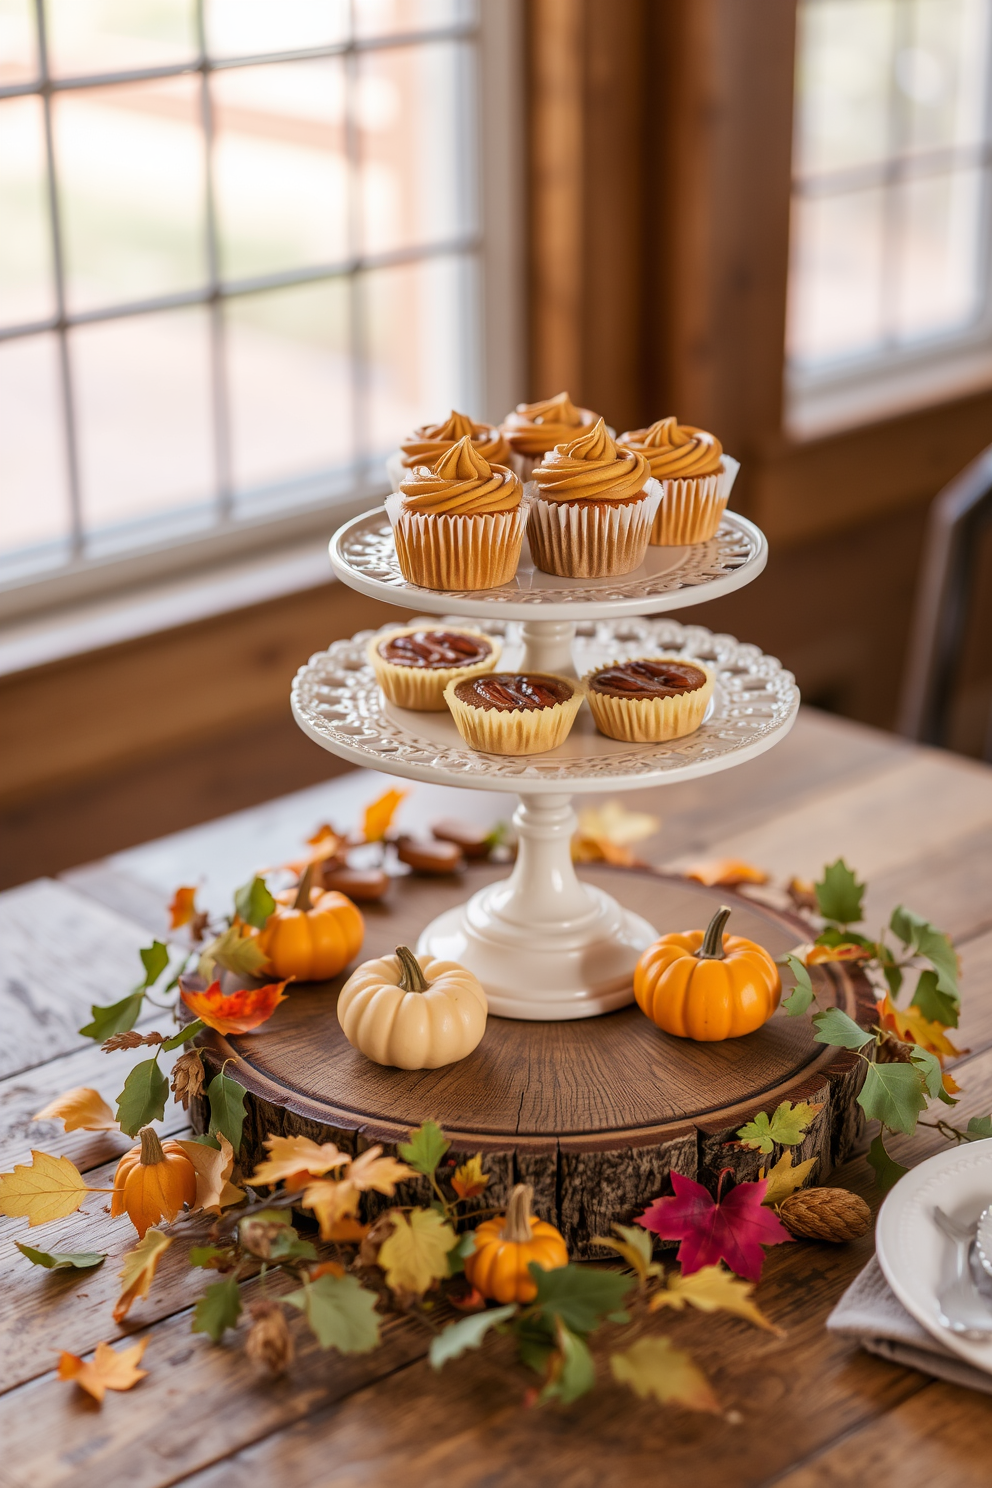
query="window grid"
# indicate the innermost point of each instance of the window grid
(216, 290)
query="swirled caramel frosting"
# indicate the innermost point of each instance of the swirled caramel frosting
(507, 691)
(591, 468)
(435, 648)
(426, 445)
(534, 428)
(675, 450)
(648, 679)
(460, 484)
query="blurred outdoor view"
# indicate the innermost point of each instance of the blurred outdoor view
(267, 270)
(891, 215)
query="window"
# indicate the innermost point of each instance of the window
(241, 254)
(891, 275)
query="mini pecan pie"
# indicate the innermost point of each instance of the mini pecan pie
(649, 699)
(413, 665)
(514, 712)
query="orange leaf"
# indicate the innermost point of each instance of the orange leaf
(332, 1202)
(214, 1190)
(370, 1170)
(469, 1180)
(295, 1161)
(326, 1268)
(818, 955)
(912, 1028)
(725, 872)
(140, 1265)
(107, 1370)
(82, 1109)
(379, 815)
(950, 1085)
(237, 1012)
(348, 1231)
(183, 907)
(601, 850)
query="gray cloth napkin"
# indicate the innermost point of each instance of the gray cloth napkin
(870, 1312)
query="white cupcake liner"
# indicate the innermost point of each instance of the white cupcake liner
(691, 509)
(590, 540)
(650, 720)
(422, 688)
(456, 552)
(515, 730)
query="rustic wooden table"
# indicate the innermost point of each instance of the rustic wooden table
(805, 1410)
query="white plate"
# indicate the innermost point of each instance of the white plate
(915, 1257)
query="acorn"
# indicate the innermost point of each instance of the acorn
(426, 855)
(825, 1214)
(473, 841)
(364, 885)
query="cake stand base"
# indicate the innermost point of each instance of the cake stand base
(545, 946)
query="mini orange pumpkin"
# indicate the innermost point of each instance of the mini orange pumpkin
(707, 985)
(153, 1182)
(312, 939)
(505, 1247)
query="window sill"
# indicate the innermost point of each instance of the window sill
(815, 412)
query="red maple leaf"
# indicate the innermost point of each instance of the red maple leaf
(236, 1012)
(732, 1229)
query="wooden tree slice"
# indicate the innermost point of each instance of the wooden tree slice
(594, 1113)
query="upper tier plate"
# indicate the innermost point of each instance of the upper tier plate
(337, 702)
(363, 555)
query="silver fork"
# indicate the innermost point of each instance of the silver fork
(960, 1306)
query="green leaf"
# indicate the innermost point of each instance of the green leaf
(576, 1373)
(341, 1313)
(62, 1260)
(205, 1139)
(203, 1255)
(254, 903)
(119, 1017)
(893, 1094)
(926, 940)
(935, 1005)
(154, 958)
(425, 1149)
(786, 1126)
(579, 1295)
(887, 1170)
(839, 895)
(535, 1340)
(184, 1035)
(834, 936)
(467, 1333)
(930, 1071)
(801, 996)
(218, 1309)
(458, 1253)
(227, 1108)
(979, 1128)
(234, 951)
(288, 1245)
(835, 1027)
(143, 1098)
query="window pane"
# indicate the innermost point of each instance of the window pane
(87, 36)
(33, 496)
(942, 73)
(835, 282)
(18, 42)
(416, 145)
(845, 67)
(420, 331)
(26, 286)
(280, 169)
(143, 407)
(289, 376)
(246, 28)
(131, 167)
(938, 287)
(375, 17)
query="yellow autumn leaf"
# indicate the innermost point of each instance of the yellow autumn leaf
(712, 1289)
(652, 1366)
(50, 1188)
(783, 1179)
(371, 1170)
(139, 1269)
(213, 1171)
(607, 833)
(911, 1027)
(725, 872)
(635, 1245)
(332, 1201)
(297, 1157)
(107, 1370)
(469, 1180)
(82, 1109)
(415, 1253)
(379, 815)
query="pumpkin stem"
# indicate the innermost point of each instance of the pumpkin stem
(413, 979)
(712, 946)
(516, 1225)
(302, 900)
(151, 1147)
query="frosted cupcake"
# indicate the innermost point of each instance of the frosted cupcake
(514, 713)
(426, 445)
(459, 525)
(592, 509)
(413, 664)
(533, 430)
(650, 699)
(695, 475)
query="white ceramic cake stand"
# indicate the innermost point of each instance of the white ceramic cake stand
(545, 945)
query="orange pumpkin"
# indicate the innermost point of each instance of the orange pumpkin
(153, 1182)
(315, 936)
(707, 985)
(505, 1247)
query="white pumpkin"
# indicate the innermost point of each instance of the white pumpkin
(413, 1012)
